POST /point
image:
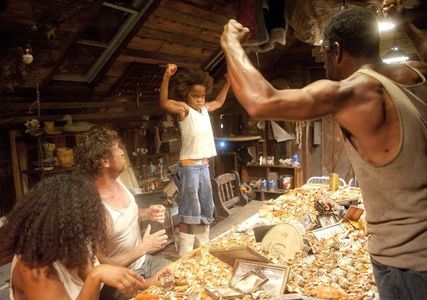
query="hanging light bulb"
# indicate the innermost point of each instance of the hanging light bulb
(395, 55)
(385, 25)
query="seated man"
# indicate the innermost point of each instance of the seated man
(99, 155)
(54, 232)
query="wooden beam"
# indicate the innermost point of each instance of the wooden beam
(165, 24)
(163, 57)
(172, 37)
(59, 105)
(159, 46)
(88, 14)
(148, 107)
(125, 42)
(188, 19)
(195, 11)
(13, 134)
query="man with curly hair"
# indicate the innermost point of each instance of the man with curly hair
(55, 232)
(99, 155)
(195, 202)
(382, 111)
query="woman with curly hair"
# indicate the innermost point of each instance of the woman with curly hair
(195, 200)
(54, 232)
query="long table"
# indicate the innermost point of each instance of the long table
(337, 267)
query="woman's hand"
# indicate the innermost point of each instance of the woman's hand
(126, 281)
(155, 279)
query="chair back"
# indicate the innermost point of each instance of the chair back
(324, 180)
(227, 193)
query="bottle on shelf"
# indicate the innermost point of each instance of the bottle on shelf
(263, 184)
(295, 160)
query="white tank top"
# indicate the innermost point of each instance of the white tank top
(125, 233)
(70, 279)
(197, 137)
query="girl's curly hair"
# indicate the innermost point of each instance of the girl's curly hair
(61, 219)
(92, 147)
(187, 78)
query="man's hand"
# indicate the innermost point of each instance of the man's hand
(393, 9)
(156, 213)
(153, 242)
(170, 70)
(233, 32)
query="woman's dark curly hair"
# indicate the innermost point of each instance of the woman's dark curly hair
(187, 78)
(61, 219)
(92, 147)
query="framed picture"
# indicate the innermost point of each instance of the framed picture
(327, 232)
(250, 282)
(223, 292)
(307, 222)
(277, 275)
(230, 255)
(326, 220)
(353, 213)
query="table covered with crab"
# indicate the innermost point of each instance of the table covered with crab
(319, 239)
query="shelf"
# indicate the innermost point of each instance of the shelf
(55, 170)
(272, 166)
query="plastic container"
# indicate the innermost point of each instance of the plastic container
(295, 160)
(264, 184)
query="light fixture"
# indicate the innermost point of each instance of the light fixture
(395, 55)
(385, 25)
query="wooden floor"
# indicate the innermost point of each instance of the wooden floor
(239, 214)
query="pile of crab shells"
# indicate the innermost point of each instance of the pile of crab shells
(336, 268)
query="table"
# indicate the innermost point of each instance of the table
(340, 266)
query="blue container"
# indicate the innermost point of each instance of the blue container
(263, 184)
(271, 184)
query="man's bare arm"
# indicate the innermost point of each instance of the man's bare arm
(263, 101)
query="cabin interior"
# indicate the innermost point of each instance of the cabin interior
(74, 63)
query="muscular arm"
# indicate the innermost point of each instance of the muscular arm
(220, 99)
(263, 101)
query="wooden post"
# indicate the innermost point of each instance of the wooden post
(15, 163)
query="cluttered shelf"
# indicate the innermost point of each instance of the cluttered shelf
(52, 171)
(272, 178)
(325, 256)
(273, 166)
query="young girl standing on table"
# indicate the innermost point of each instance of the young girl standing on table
(195, 200)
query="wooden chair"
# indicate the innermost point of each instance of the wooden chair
(227, 194)
(324, 180)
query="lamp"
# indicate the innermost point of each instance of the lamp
(395, 55)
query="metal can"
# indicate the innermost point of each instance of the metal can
(286, 182)
(334, 181)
